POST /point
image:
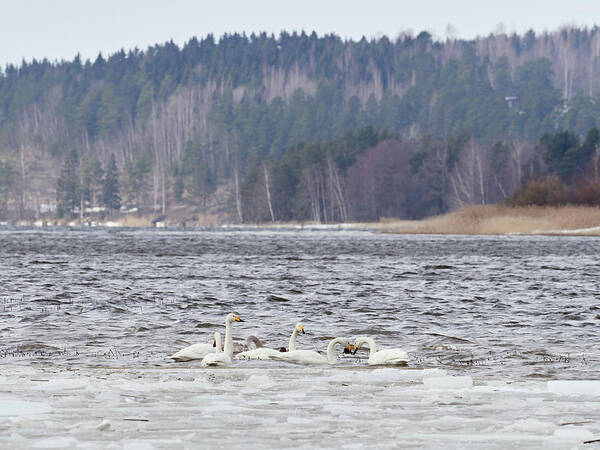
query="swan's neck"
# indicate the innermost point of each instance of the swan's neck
(253, 340)
(228, 339)
(218, 343)
(372, 346)
(331, 347)
(292, 346)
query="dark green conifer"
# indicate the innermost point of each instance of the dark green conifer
(110, 187)
(67, 189)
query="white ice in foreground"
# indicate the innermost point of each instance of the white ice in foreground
(270, 406)
(21, 408)
(575, 387)
(463, 382)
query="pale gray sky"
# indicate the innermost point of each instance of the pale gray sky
(59, 29)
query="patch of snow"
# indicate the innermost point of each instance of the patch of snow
(112, 224)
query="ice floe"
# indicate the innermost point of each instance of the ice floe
(456, 382)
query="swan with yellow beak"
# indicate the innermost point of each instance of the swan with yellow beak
(389, 356)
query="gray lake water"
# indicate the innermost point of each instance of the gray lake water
(502, 334)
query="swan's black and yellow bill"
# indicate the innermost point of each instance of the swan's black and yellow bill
(237, 319)
(354, 350)
(347, 349)
(301, 329)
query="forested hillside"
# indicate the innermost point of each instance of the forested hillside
(295, 127)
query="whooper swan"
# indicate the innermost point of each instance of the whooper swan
(266, 353)
(220, 359)
(199, 351)
(312, 357)
(381, 357)
(195, 351)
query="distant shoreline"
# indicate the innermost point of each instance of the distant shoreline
(470, 220)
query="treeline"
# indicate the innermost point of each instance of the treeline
(84, 186)
(194, 125)
(366, 176)
(571, 175)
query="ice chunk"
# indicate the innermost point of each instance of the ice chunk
(137, 445)
(530, 426)
(261, 381)
(19, 408)
(56, 442)
(61, 384)
(574, 434)
(461, 382)
(417, 375)
(384, 375)
(575, 387)
(103, 426)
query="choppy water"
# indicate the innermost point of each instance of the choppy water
(88, 319)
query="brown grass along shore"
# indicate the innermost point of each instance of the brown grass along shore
(498, 219)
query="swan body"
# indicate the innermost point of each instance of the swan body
(267, 353)
(257, 354)
(195, 351)
(312, 357)
(382, 357)
(224, 358)
(218, 358)
(199, 351)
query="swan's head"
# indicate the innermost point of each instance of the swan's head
(358, 344)
(346, 344)
(233, 318)
(300, 328)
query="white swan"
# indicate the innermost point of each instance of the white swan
(266, 353)
(199, 351)
(386, 356)
(218, 358)
(196, 351)
(312, 357)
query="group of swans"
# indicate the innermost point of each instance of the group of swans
(212, 355)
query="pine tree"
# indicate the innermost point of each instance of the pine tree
(136, 179)
(110, 187)
(67, 189)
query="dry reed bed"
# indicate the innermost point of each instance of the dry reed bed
(497, 219)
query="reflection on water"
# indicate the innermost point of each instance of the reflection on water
(512, 312)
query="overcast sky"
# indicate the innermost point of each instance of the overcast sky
(59, 29)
